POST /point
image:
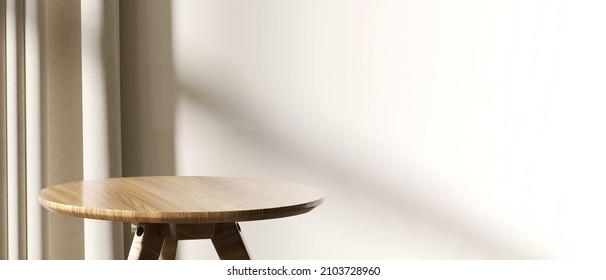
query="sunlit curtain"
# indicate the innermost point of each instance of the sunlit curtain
(60, 122)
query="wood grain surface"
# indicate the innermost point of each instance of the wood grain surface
(179, 199)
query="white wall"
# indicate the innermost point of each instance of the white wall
(438, 129)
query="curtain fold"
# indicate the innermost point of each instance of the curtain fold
(64, 122)
(35, 127)
(3, 155)
(101, 116)
(60, 122)
(15, 148)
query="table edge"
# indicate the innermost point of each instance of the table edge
(179, 217)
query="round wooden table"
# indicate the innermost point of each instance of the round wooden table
(171, 208)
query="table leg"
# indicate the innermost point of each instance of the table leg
(169, 249)
(147, 242)
(229, 243)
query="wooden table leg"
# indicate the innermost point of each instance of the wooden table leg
(169, 249)
(147, 243)
(229, 243)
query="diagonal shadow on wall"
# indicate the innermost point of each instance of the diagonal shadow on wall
(149, 95)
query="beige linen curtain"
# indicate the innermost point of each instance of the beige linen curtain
(59, 122)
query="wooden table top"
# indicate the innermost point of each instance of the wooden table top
(176, 199)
